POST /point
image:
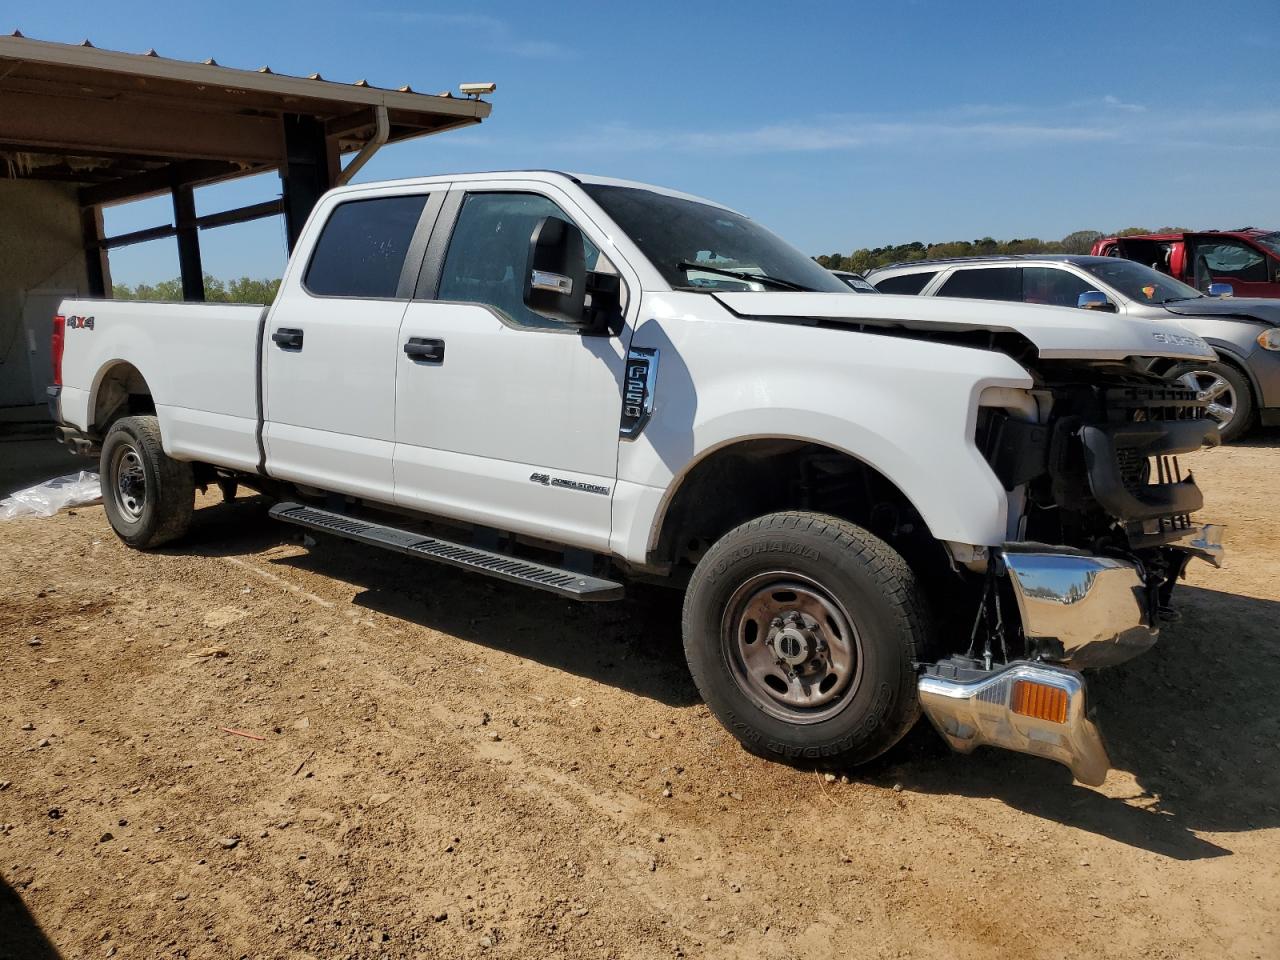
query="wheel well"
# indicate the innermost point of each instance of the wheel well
(1231, 360)
(122, 392)
(754, 477)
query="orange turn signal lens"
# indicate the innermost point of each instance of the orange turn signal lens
(1040, 700)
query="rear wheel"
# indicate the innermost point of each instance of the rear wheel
(148, 496)
(1228, 393)
(801, 630)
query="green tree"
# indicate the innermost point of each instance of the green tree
(216, 290)
(1081, 241)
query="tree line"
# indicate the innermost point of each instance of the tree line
(241, 290)
(1079, 242)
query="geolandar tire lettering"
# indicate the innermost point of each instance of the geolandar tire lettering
(147, 495)
(801, 632)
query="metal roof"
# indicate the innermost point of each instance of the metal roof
(77, 113)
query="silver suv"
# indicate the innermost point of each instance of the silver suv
(1243, 386)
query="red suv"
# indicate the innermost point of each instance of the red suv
(1248, 259)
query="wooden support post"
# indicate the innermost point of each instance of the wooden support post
(184, 218)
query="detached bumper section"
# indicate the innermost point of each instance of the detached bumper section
(1026, 707)
(1078, 611)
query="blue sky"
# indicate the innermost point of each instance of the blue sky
(838, 125)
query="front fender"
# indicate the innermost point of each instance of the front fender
(906, 407)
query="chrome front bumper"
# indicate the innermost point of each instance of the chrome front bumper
(973, 708)
(1081, 610)
(1078, 611)
(1086, 611)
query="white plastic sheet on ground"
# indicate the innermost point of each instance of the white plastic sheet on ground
(46, 499)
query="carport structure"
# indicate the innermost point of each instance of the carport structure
(83, 128)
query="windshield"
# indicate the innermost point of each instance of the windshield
(672, 232)
(1138, 282)
(1270, 242)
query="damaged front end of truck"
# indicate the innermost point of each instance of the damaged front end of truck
(1101, 530)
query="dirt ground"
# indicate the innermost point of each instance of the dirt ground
(443, 766)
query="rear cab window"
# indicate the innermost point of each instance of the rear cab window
(363, 247)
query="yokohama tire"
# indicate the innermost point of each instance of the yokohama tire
(148, 496)
(863, 598)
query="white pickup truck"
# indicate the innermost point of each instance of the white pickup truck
(876, 506)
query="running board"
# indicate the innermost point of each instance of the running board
(566, 583)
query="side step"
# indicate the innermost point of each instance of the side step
(566, 583)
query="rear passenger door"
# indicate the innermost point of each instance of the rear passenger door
(983, 283)
(331, 341)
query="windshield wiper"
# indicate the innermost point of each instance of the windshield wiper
(687, 265)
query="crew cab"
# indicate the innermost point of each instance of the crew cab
(875, 506)
(1248, 259)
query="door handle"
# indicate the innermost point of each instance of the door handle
(288, 338)
(422, 350)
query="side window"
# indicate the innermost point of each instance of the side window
(908, 283)
(985, 283)
(362, 247)
(489, 252)
(1059, 288)
(1233, 260)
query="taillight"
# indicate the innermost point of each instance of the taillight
(59, 339)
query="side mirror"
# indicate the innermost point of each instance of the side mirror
(555, 283)
(1221, 290)
(1095, 300)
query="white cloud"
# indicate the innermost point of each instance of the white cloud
(975, 127)
(1116, 103)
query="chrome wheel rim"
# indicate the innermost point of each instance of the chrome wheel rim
(1217, 391)
(128, 481)
(791, 647)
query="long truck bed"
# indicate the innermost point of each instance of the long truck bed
(200, 361)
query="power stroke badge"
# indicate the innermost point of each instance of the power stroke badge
(549, 481)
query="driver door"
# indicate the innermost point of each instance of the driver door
(1214, 258)
(504, 418)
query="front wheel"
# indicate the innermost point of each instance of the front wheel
(801, 631)
(148, 496)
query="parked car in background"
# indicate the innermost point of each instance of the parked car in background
(855, 281)
(1248, 259)
(1242, 386)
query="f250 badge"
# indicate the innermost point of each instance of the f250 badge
(637, 391)
(79, 323)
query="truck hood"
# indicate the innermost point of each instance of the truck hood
(1263, 311)
(1064, 333)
